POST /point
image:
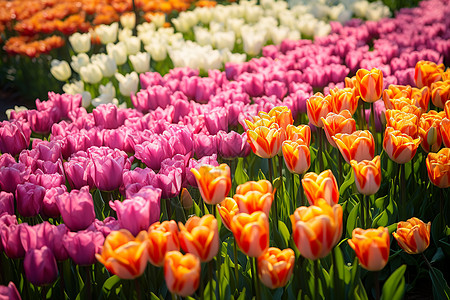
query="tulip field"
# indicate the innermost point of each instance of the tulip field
(183, 149)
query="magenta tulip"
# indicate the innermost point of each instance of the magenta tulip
(76, 208)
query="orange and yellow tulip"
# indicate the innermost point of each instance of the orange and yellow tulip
(275, 267)
(162, 238)
(317, 229)
(344, 99)
(282, 115)
(358, 145)
(214, 183)
(371, 246)
(338, 123)
(420, 96)
(429, 125)
(440, 93)
(438, 167)
(413, 236)
(251, 233)
(367, 175)
(302, 132)
(182, 273)
(350, 82)
(254, 196)
(318, 106)
(322, 186)
(228, 208)
(200, 236)
(400, 147)
(427, 72)
(124, 255)
(445, 132)
(404, 122)
(262, 119)
(266, 141)
(447, 109)
(370, 84)
(296, 156)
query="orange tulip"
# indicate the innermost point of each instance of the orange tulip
(440, 93)
(296, 156)
(420, 96)
(318, 106)
(182, 273)
(413, 235)
(266, 141)
(283, 116)
(427, 72)
(228, 208)
(445, 132)
(447, 109)
(200, 236)
(275, 267)
(371, 246)
(317, 229)
(302, 132)
(214, 183)
(400, 147)
(429, 125)
(254, 196)
(404, 122)
(344, 99)
(350, 82)
(262, 119)
(338, 123)
(322, 186)
(370, 84)
(251, 233)
(124, 255)
(438, 167)
(367, 175)
(162, 237)
(358, 145)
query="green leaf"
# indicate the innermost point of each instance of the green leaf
(351, 220)
(348, 181)
(261, 175)
(99, 205)
(240, 175)
(110, 284)
(387, 216)
(360, 292)
(394, 287)
(242, 295)
(440, 286)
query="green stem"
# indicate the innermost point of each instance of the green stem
(372, 124)
(367, 205)
(361, 204)
(169, 210)
(88, 283)
(300, 191)
(255, 281)
(275, 210)
(218, 265)
(377, 285)
(138, 288)
(316, 279)
(341, 177)
(335, 273)
(294, 196)
(210, 271)
(258, 283)
(403, 193)
(236, 264)
(320, 146)
(61, 280)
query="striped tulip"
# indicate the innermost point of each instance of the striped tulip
(400, 147)
(214, 183)
(251, 233)
(404, 122)
(358, 145)
(438, 167)
(228, 208)
(370, 84)
(350, 82)
(429, 125)
(427, 72)
(275, 267)
(344, 99)
(413, 236)
(318, 106)
(371, 246)
(420, 96)
(162, 238)
(322, 186)
(200, 236)
(254, 196)
(317, 229)
(296, 156)
(447, 109)
(266, 141)
(440, 93)
(302, 132)
(445, 132)
(367, 175)
(338, 123)
(182, 273)
(283, 116)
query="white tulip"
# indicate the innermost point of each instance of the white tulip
(60, 69)
(106, 63)
(294, 35)
(158, 19)
(133, 45)
(237, 57)
(107, 33)
(76, 87)
(144, 28)
(235, 25)
(157, 51)
(79, 61)
(91, 73)
(322, 29)
(224, 40)
(107, 89)
(102, 99)
(377, 11)
(125, 34)
(216, 26)
(140, 62)
(118, 52)
(204, 14)
(81, 42)
(212, 61)
(360, 8)
(203, 36)
(128, 84)
(253, 40)
(278, 34)
(128, 20)
(85, 99)
(253, 13)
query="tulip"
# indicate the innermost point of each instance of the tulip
(49, 206)
(182, 273)
(317, 229)
(427, 72)
(133, 45)
(369, 84)
(344, 99)
(124, 255)
(6, 203)
(254, 196)
(80, 42)
(14, 137)
(413, 236)
(78, 61)
(83, 245)
(296, 156)
(162, 238)
(200, 236)
(107, 33)
(128, 20)
(231, 145)
(118, 52)
(60, 70)
(266, 141)
(371, 246)
(157, 50)
(302, 132)
(128, 84)
(406, 123)
(445, 131)
(438, 167)
(275, 267)
(29, 198)
(322, 186)
(53, 240)
(420, 96)
(9, 292)
(76, 208)
(358, 145)
(11, 239)
(429, 125)
(214, 183)
(440, 93)
(367, 175)
(338, 123)
(228, 208)
(40, 266)
(447, 109)
(318, 106)
(106, 171)
(282, 115)
(91, 73)
(140, 62)
(13, 175)
(400, 147)
(107, 65)
(251, 233)
(216, 120)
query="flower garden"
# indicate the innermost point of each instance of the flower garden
(225, 150)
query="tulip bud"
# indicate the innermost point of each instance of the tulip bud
(9, 292)
(128, 20)
(91, 73)
(438, 167)
(371, 246)
(413, 236)
(76, 208)
(40, 266)
(251, 233)
(80, 42)
(186, 199)
(128, 84)
(106, 63)
(140, 62)
(133, 45)
(367, 175)
(432, 136)
(60, 70)
(107, 33)
(182, 273)
(275, 267)
(118, 52)
(214, 183)
(162, 238)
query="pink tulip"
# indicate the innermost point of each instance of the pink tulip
(49, 207)
(275, 88)
(232, 144)
(216, 120)
(12, 175)
(150, 78)
(29, 198)
(169, 180)
(153, 152)
(76, 208)
(107, 167)
(6, 203)
(40, 266)
(9, 292)
(53, 240)
(105, 116)
(253, 84)
(106, 226)
(11, 241)
(77, 171)
(83, 245)
(14, 137)
(204, 145)
(41, 121)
